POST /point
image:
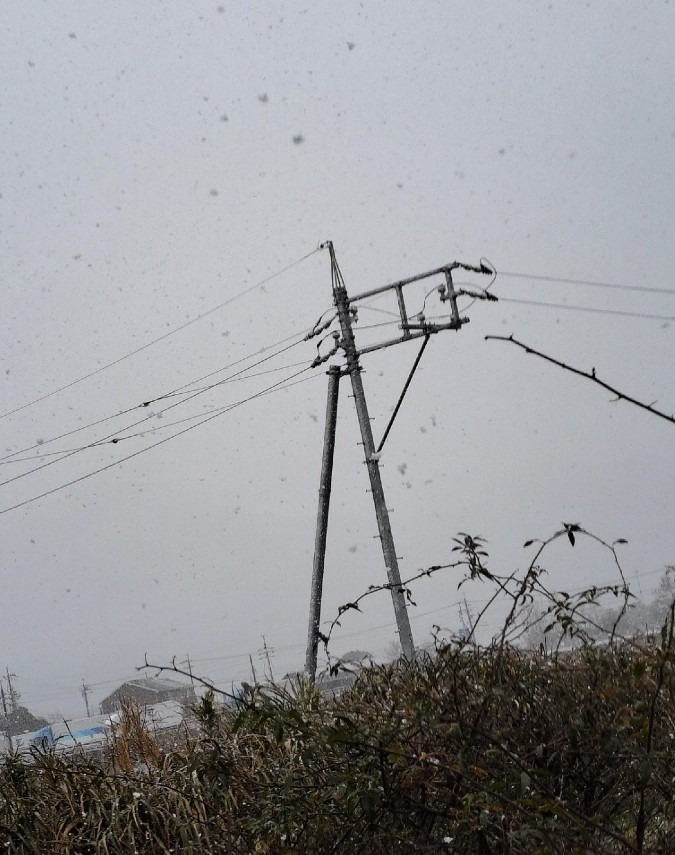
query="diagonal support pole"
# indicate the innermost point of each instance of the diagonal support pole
(402, 395)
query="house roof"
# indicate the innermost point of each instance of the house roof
(156, 685)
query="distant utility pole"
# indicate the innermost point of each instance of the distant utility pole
(188, 662)
(419, 328)
(13, 694)
(84, 691)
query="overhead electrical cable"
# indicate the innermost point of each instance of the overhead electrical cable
(396, 315)
(377, 326)
(164, 336)
(149, 430)
(111, 438)
(185, 388)
(43, 442)
(41, 456)
(233, 378)
(590, 283)
(216, 410)
(591, 309)
(280, 384)
(193, 393)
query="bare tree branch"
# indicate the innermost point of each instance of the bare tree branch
(589, 376)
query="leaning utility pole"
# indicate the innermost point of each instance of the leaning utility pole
(410, 330)
(322, 520)
(189, 665)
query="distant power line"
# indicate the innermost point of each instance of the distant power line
(161, 337)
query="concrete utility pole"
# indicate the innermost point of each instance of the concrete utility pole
(410, 330)
(322, 521)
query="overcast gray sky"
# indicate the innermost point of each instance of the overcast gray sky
(160, 158)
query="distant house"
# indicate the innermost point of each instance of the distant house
(148, 690)
(356, 659)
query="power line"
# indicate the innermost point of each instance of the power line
(185, 390)
(162, 337)
(39, 444)
(43, 442)
(382, 324)
(154, 445)
(217, 410)
(65, 451)
(116, 439)
(571, 307)
(589, 282)
(42, 456)
(370, 308)
(111, 438)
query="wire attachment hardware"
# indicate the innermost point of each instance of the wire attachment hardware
(336, 346)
